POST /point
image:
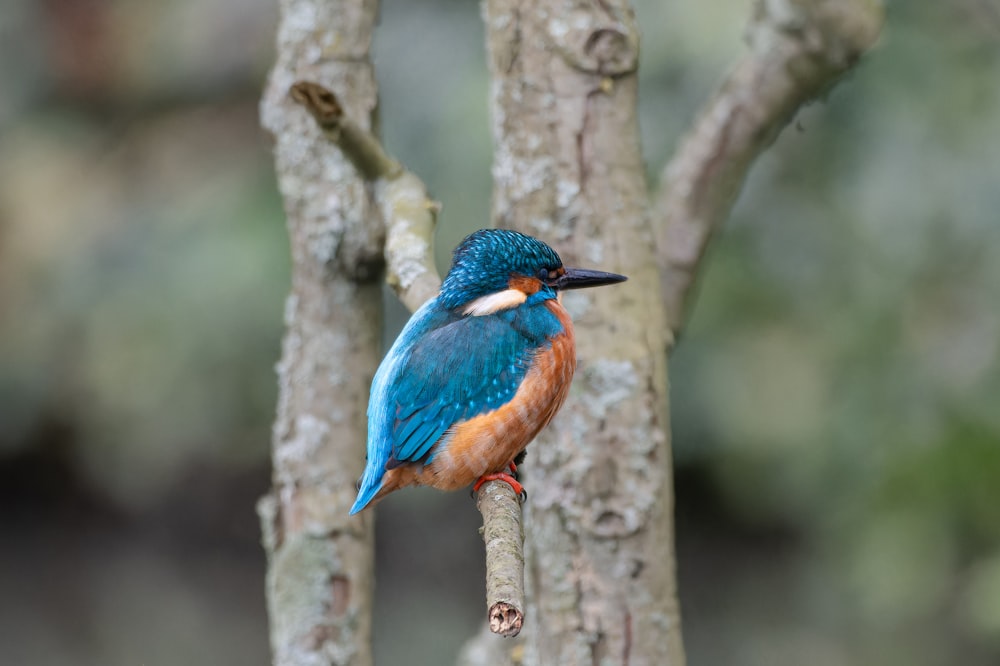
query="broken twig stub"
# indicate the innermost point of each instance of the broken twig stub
(504, 540)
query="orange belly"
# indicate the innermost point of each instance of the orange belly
(489, 442)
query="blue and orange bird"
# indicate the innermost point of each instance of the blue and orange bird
(477, 372)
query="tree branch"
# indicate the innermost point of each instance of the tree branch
(409, 214)
(504, 541)
(798, 49)
(359, 145)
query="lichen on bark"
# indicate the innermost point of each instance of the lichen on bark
(320, 561)
(568, 169)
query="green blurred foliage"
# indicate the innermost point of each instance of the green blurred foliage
(836, 398)
(139, 279)
(841, 377)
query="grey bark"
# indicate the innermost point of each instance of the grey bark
(408, 212)
(503, 537)
(320, 561)
(568, 169)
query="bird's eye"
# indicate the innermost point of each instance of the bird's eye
(543, 274)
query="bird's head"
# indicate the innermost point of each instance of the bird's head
(494, 269)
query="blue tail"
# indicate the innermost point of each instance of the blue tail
(382, 409)
(369, 488)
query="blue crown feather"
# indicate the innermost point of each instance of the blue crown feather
(484, 261)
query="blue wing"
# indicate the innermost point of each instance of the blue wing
(445, 368)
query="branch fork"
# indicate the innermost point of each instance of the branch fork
(409, 216)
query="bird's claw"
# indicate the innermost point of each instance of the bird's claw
(515, 485)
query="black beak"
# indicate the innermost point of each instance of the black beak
(578, 278)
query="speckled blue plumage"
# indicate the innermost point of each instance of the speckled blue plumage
(484, 261)
(446, 367)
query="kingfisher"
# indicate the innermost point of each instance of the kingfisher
(477, 372)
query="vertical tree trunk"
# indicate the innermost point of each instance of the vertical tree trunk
(568, 168)
(320, 561)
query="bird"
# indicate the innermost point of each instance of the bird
(477, 372)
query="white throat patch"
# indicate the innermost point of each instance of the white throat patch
(502, 300)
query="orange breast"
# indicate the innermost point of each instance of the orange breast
(488, 442)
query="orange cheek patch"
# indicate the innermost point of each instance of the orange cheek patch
(528, 285)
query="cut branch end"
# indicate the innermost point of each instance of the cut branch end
(506, 619)
(504, 540)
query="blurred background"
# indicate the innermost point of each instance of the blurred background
(836, 399)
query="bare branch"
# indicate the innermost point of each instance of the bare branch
(359, 145)
(798, 49)
(410, 217)
(409, 214)
(504, 541)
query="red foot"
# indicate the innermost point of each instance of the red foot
(501, 476)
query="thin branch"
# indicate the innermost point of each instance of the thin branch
(410, 217)
(504, 541)
(409, 213)
(798, 49)
(359, 145)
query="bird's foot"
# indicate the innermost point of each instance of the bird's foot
(519, 490)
